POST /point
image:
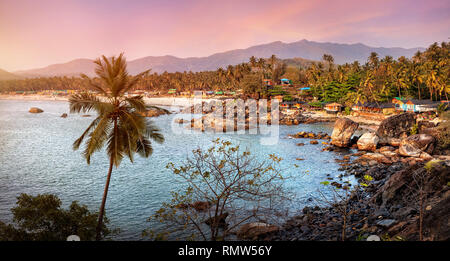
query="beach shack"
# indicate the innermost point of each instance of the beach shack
(268, 82)
(421, 105)
(333, 107)
(279, 98)
(172, 91)
(285, 82)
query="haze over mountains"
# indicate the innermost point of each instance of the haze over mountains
(342, 53)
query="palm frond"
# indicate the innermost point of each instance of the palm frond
(84, 102)
(97, 138)
(153, 132)
(137, 103)
(77, 143)
(144, 147)
(94, 85)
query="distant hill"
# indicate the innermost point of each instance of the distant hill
(306, 50)
(4, 75)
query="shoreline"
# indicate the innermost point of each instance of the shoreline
(365, 124)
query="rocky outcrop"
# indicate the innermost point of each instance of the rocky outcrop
(368, 141)
(253, 231)
(416, 145)
(343, 132)
(311, 135)
(181, 121)
(154, 113)
(200, 205)
(64, 115)
(219, 221)
(35, 110)
(378, 157)
(395, 126)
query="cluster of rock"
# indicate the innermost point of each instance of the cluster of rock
(215, 112)
(154, 112)
(389, 143)
(404, 173)
(388, 207)
(311, 135)
(248, 231)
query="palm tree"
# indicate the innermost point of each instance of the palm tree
(119, 122)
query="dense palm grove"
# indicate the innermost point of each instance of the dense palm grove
(424, 76)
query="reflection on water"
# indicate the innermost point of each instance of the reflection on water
(36, 156)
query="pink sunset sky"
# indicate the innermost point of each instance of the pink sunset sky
(38, 33)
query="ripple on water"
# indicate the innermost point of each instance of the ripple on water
(36, 156)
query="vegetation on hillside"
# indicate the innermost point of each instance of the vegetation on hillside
(424, 76)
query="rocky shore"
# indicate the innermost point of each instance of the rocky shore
(403, 190)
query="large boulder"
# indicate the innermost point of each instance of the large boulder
(395, 126)
(343, 132)
(35, 110)
(253, 231)
(368, 141)
(416, 145)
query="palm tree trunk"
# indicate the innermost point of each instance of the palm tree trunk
(102, 207)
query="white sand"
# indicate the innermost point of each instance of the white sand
(163, 101)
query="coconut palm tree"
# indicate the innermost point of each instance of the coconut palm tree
(119, 124)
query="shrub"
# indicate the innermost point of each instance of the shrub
(41, 218)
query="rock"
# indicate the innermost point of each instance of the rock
(181, 121)
(314, 142)
(220, 220)
(392, 141)
(300, 144)
(64, 115)
(386, 148)
(415, 145)
(200, 205)
(386, 222)
(35, 110)
(389, 153)
(253, 231)
(86, 115)
(436, 219)
(368, 141)
(373, 238)
(378, 157)
(343, 132)
(395, 126)
(154, 113)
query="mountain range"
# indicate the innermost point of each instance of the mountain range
(305, 49)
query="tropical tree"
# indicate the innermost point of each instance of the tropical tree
(120, 123)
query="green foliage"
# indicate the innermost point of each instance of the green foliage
(252, 83)
(41, 218)
(414, 129)
(441, 108)
(347, 111)
(316, 104)
(430, 165)
(443, 142)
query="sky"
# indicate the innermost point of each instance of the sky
(38, 33)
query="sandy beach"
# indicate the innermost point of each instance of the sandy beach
(162, 101)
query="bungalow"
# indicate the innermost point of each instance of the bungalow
(333, 107)
(279, 98)
(172, 91)
(419, 105)
(285, 82)
(268, 82)
(372, 107)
